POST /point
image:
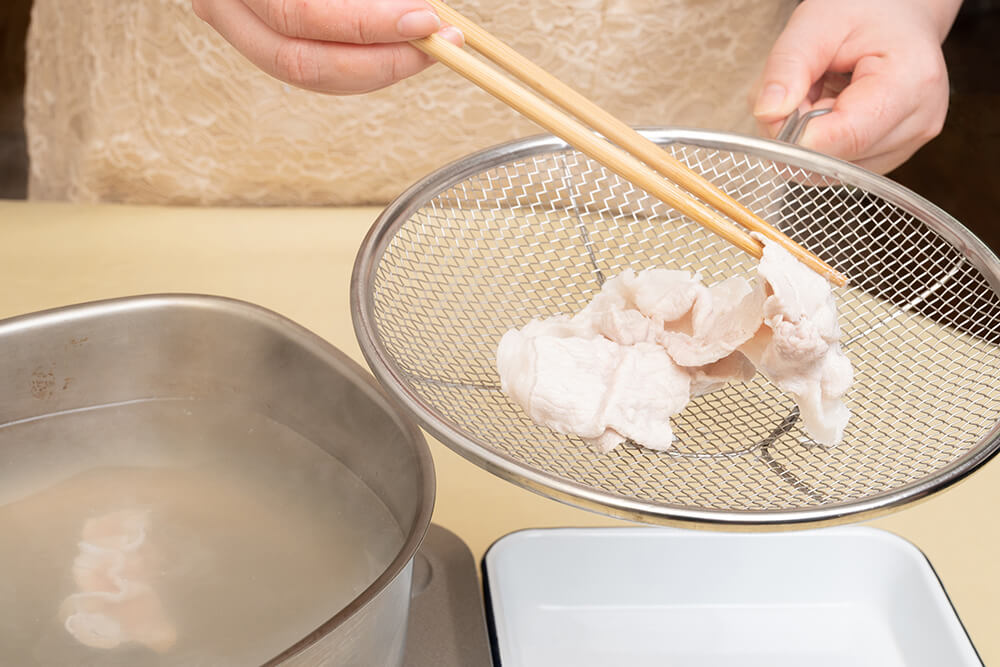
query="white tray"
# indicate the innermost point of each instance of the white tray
(844, 597)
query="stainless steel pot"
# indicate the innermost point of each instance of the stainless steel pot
(199, 347)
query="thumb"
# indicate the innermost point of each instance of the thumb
(800, 56)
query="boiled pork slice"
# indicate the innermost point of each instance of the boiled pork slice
(717, 375)
(115, 602)
(798, 348)
(722, 317)
(697, 325)
(633, 307)
(649, 341)
(580, 383)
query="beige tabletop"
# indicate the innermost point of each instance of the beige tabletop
(298, 262)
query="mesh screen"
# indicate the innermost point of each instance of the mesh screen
(538, 236)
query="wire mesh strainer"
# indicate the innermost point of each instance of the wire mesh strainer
(532, 228)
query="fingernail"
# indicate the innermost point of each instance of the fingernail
(419, 23)
(770, 100)
(453, 35)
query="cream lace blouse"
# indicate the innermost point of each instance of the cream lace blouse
(139, 101)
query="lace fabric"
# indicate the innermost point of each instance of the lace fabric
(141, 102)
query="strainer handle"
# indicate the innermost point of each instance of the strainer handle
(796, 123)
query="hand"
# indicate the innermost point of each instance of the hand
(878, 65)
(330, 46)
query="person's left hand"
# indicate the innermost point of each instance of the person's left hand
(878, 65)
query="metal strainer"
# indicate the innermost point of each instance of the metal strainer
(532, 228)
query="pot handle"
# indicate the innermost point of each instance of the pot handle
(796, 123)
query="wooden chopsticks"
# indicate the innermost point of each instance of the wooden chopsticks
(642, 162)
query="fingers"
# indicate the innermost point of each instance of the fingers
(888, 111)
(323, 66)
(886, 162)
(801, 55)
(896, 147)
(821, 96)
(895, 98)
(863, 113)
(351, 21)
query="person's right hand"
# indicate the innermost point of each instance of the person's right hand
(330, 46)
(877, 65)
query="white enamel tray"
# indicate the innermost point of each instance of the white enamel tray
(640, 597)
